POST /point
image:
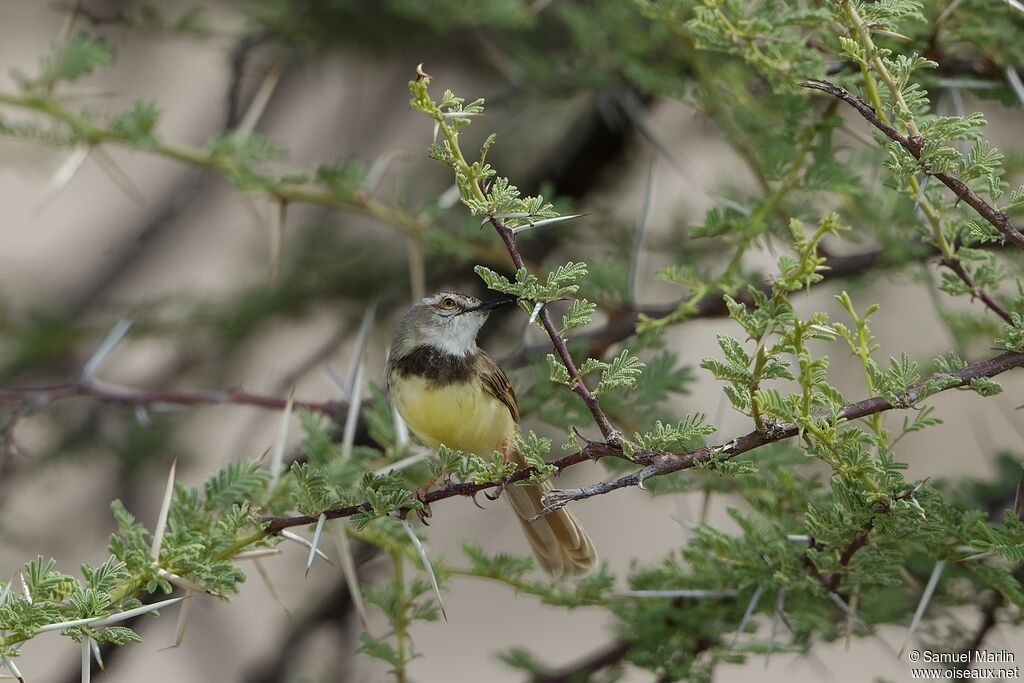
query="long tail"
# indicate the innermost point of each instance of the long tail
(559, 542)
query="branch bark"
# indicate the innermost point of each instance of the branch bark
(578, 385)
(35, 397)
(659, 463)
(622, 322)
(986, 298)
(608, 656)
(913, 144)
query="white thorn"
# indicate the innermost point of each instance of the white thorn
(922, 605)
(24, 588)
(117, 176)
(161, 520)
(401, 429)
(262, 571)
(541, 223)
(348, 569)
(751, 606)
(848, 610)
(259, 102)
(348, 436)
(449, 197)
(1013, 78)
(277, 455)
(185, 584)
(186, 608)
(6, 592)
(106, 347)
(681, 593)
(257, 554)
(353, 380)
(536, 311)
(641, 227)
(86, 660)
(95, 647)
(112, 619)
(145, 609)
(291, 536)
(62, 177)
(316, 541)
(501, 216)
(966, 83)
(332, 378)
(9, 663)
(780, 598)
(920, 192)
(379, 168)
(409, 461)
(422, 551)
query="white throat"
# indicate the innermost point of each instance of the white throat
(457, 336)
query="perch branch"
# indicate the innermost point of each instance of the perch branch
(660, 463)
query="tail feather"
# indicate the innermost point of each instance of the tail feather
(560, 544)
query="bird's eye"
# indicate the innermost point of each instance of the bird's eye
(448, 302)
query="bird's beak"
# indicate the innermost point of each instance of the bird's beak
(491, 305)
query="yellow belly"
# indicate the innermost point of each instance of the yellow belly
(463, 417)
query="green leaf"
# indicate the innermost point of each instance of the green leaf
(79, 57)
(621, 373)
(236, 482)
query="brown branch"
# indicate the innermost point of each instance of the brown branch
(999, 220)
(659, 463)
(36, 397)
(622, 322)
(958, 268)
(578, 385)
(609, 655)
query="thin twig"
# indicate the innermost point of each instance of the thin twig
(913, 144)
(42, 396)
(578, 385)
(986, 298)
(622, 322)
(607, 656)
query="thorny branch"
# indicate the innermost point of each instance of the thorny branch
(913, 144)
(610, 655)
(36, 397)
(578, 385)
(986, 298)
(622, 322)
(657, 463)
(284, 188)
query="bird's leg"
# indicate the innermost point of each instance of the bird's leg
(500, 488)
(420, 494)
(425, 486)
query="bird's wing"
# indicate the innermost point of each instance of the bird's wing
(496, 383)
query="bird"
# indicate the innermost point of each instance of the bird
(451, 393)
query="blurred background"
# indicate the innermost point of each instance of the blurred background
(227, 289)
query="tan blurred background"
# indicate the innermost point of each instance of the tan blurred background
(194, 237)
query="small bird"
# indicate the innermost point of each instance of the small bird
(450, 392)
